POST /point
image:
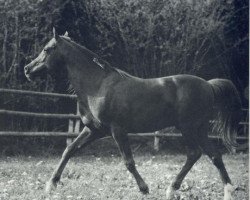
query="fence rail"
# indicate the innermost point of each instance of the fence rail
(58, 116)
(34, 93)
(73, 134)
(74, 120)
(41, 115)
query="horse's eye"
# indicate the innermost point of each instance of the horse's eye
(47, 50)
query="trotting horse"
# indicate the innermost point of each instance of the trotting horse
(116, 103)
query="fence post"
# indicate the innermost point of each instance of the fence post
(70, 130)
(246, 120)
(156, 142)
(78, 121)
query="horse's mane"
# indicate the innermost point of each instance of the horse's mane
(97, 59)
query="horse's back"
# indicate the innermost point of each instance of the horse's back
(194, 99)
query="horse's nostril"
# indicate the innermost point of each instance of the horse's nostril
(26, 69)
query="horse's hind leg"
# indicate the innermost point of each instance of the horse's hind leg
(216, 158)
(84, 138)
(193, 154)
(122, 141)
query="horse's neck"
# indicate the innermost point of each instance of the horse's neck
(84, 85)
(85, 81)
(84, 75)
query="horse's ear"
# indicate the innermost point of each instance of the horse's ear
(66, 34)
(55, 34)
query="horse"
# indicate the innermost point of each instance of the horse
(113, 102)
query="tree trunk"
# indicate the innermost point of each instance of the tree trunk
(36, 40)
(15, 60)
(5, 46)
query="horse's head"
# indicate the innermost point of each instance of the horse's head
(48, 59)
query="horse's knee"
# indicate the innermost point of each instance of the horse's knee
(216, 158)
(130, 165)
(217, 161)
(195, 154)
(69, 150)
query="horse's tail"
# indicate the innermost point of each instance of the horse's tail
(227, 105)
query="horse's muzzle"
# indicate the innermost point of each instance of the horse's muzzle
(32, 71)
(26, 70)
(27, 73)
(29, 77)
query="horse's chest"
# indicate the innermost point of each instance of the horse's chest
(96, 106)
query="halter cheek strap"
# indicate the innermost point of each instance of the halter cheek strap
(98, 63)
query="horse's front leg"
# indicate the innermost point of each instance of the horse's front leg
(122, 141)
(85, 137)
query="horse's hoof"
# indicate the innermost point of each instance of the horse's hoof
(50, 186)
(170, 193)
(144, 189)
(228, 190)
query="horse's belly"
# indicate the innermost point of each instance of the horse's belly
(152, 119)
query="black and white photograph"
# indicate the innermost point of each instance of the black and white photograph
(124, 99)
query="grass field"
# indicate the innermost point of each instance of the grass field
(104, 176)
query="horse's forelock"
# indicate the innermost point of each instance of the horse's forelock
(50, 44)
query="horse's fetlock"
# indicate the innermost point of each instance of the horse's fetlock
(176, 185)
(56, 179)
(144, 189)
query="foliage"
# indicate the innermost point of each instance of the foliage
(148, 38)
(161, 37)
(152, 38)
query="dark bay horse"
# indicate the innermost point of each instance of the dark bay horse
(115, 103)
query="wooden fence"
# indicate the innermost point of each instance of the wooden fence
(74, 120)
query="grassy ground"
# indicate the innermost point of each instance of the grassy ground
(99, 174)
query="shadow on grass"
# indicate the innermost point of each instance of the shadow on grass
(54, 146)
